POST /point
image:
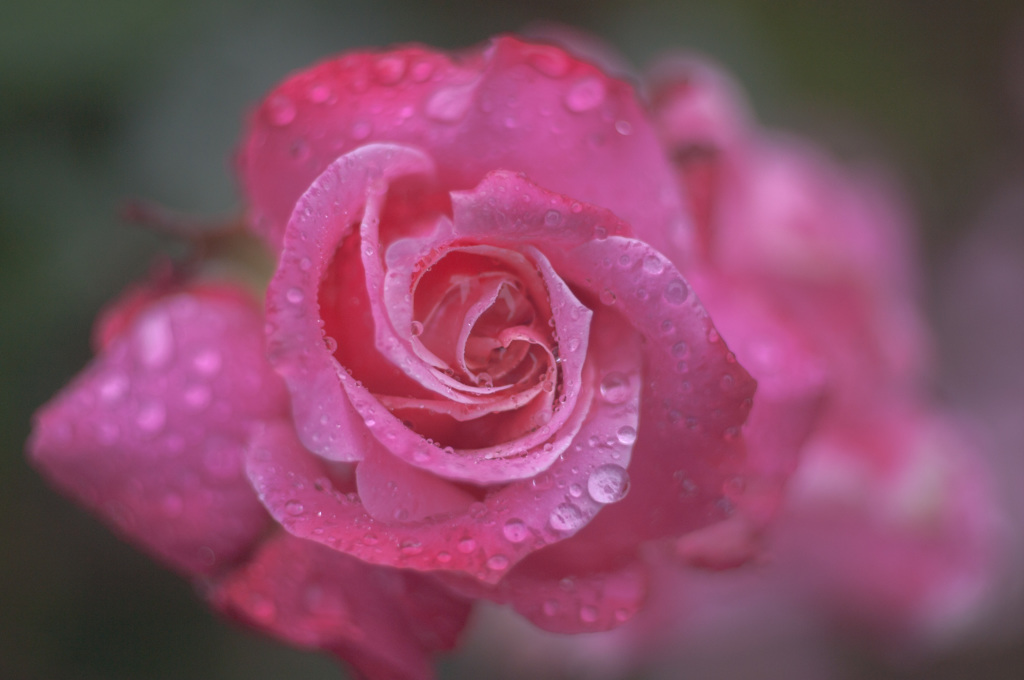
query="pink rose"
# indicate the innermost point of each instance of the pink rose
(890, 524)
(480, 371)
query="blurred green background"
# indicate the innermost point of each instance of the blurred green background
(109, 99)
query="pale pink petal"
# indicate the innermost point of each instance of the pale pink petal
(305, 495)
(525, 455)
(385, 622)
(325, 419)
(151, 435)
(695, 396)
(507, 104)
(391, 490)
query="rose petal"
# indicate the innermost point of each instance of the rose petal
(326, 421)
(696, 396)
(151, 435)
(507, 104)
(494, 534)
(519, 458)
(386, 623)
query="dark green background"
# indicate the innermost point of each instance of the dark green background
(110, 99)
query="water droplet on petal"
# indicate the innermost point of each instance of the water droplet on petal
(676, 292)
(319, 93)
(155, 340)
(585, 94)
(497, 563)
(552, 218)
(653, 264)
(361, 130)
(113, 388)
(280, 110)
(466, 545)
(294, 295)
(207, 362)
(588, 614)
(607, 297)
(416, 329)
(197, 396)
(294, 508)
(608, 483)
(626, 434)
(151, 417)
(411, 548)
(515, 531)
(450, 105)
(615, 388)
(390, 69)
(566, 517)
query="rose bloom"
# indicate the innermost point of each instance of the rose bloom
(508, 353)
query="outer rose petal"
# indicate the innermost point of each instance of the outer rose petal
(151, 435)
(385, 622)
(508, 104)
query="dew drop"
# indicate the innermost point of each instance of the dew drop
(319, 93)
(411, 548)
(390, 69)
(615, 388)
(361, 130)
(653, 264)
(197, 396)
(626, 434)
(331, 344)
(113, 388)
(294, 296)
(607, 297)
(155, 340)
(280, 110)
(515, 531)
(444, 557)
(451, 104)
(676, 292)
(151, 417)
(552, 218)
(422, 70)
(608, 483)
(550, 607)
(585, 94)
(497, 563)
(466, 546)
(588, 614)
(416, 329)
(566, 517)
(623, 127)
(293, 508)
(575, 490)
(680, 349)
